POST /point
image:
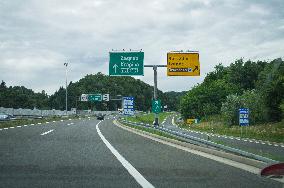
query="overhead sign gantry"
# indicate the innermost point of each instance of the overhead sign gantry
(131, 63)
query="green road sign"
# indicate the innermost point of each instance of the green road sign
(94, 97)
(156, 106)
(126, 63)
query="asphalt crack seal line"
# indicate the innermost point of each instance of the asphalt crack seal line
(131, 170)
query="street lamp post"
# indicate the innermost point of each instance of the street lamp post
(66, 93)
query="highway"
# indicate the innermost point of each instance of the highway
(254, 146)
(92, 153)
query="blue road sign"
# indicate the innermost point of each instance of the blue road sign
(128, 105)
(244, 117)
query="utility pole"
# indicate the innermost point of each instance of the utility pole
(66, 93)
(156, 122)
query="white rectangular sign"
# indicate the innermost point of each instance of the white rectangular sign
(106, 97)
(84, 97)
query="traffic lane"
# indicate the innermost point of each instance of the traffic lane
(30, 131)
(233, 142)
(26, 132)
(166, 166)
(70, 156)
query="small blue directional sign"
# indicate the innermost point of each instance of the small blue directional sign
(128, 106)
(244, 117)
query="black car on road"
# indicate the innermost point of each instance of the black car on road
(100, 116)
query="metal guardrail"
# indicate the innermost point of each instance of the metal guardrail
(200, 141)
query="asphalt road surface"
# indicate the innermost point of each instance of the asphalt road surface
(90, 153)
(254, 146)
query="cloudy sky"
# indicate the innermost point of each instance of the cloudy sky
(37, 37)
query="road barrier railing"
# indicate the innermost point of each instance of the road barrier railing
(199, 141)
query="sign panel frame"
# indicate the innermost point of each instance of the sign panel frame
(183, 64)
(190, 121)
(244, 117)
(126, 63)
(84, 97)
(156, 106)
(128, 106)
(93, 97)
(106, 97)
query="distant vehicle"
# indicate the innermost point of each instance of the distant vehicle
(6, 117)
(100, 116)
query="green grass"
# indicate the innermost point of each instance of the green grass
(273, 132)
(18, 122)
(157, 132)
(148, 118)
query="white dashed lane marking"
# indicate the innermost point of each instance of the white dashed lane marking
(47, 132)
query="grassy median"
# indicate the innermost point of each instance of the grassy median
(273, 132)
(148, 118)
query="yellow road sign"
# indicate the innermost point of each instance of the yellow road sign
(183, 64)
(190, 121)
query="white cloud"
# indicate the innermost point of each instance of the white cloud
(39, 36)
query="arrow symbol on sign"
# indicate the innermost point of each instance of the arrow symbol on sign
(196, 68)
(115, 67)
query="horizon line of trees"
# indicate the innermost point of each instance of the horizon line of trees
(21, 97)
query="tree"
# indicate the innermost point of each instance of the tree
(271, 85)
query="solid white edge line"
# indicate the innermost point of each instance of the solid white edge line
(229, 162)
(132, 171)
(47, 132)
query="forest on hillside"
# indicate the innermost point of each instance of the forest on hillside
(257, 85)
(21, 97)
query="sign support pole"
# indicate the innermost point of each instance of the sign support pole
(156, 122)
(155, 93)
(66, 64)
